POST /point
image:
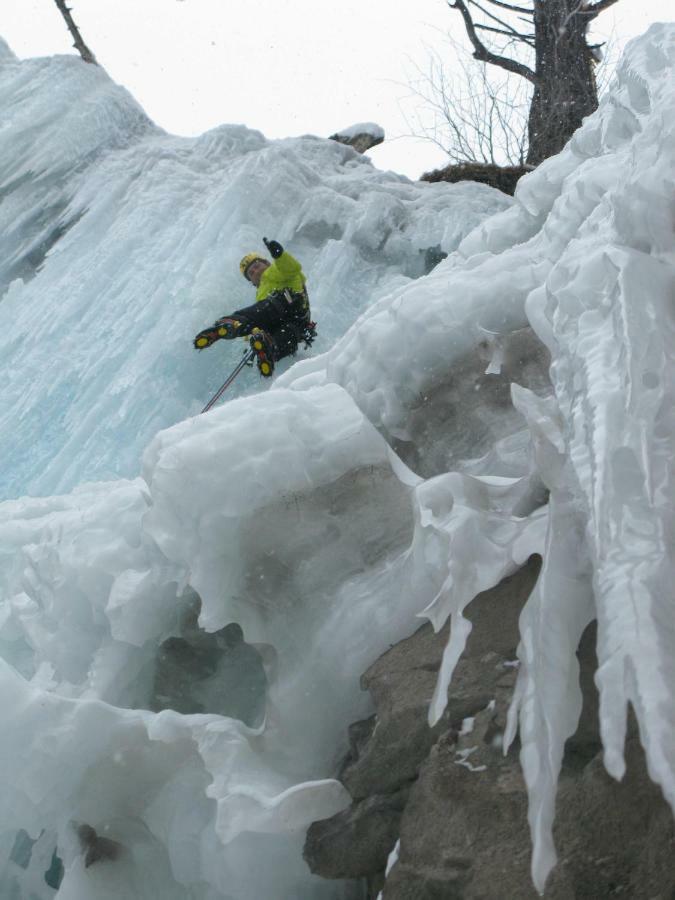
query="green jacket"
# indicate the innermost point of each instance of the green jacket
(285, 272)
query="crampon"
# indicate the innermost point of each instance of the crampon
(223, 329)
(263, 347)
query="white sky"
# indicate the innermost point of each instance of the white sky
(286, 68)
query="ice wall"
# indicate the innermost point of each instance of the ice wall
(119, 242)
(396, 475)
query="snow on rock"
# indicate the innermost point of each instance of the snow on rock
(361, 136)
(324, 515)
(370, 128)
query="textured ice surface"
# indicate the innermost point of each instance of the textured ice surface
(94, 581)
(606, 313)
(119, 242)
(395, 475)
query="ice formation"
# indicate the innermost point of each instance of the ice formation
(516, 399)
(119, 242)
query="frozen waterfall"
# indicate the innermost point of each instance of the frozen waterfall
(449, 423)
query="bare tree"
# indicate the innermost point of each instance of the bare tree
(78, 41)
(561, 71)
(469, 113)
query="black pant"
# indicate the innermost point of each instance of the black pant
(283, 315)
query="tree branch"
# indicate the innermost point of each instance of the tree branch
(525, 38)
(593, 11)
(79, 43)
(482, 53)
(521, 9)
(493, 17)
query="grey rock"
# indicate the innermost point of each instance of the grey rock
(463, 827)
(614, 839)
(356, 842)
(464, 833)
(402, 681)
(359, 734)
(439, 885)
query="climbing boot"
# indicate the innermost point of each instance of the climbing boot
(224, 329)
(265, 352)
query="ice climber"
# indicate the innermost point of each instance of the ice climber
(279, 318)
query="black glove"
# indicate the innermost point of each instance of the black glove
(274, 247)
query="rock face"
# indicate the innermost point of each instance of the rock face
(458, 806)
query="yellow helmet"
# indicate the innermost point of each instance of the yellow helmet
(247, 260)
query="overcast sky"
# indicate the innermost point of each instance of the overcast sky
(285, 68)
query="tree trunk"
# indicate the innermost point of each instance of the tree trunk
(565, 90)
